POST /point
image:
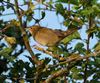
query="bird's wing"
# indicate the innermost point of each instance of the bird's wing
(59, 33)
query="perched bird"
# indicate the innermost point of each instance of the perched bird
(48, 37)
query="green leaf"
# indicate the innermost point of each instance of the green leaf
(6, 54)
(97, 47)
(75, 69)
(98, 60)
(66, 22)
(75, 2)
(2, 8)
(32, 6)
(80, 48)
(59, 8)
(91, 30)
(98, 35)
(8, 5)
(1, 0)
(76, 7)
(79, 45)
(76, 73)
(96, 8)
(69, 38)
(5, 51)
(43, 15)
(75, 23)
(87, 11)
(47, 60)
(50, 4)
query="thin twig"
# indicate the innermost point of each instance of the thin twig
(47, 52)
(12, 6)
(79, 58)
(60, 72)
(66, 70)
(69, 59)
(88, 47)
(25, 38)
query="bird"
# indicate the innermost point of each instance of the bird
(49, 37)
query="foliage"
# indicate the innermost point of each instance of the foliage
(68, 63)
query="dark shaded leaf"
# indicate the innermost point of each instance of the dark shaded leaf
(80, 48)
(2, 8)
(59, 8)
(1, 0)
(43, 15)
(97, 47)
(75, 2)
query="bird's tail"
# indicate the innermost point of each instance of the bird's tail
(71, 31)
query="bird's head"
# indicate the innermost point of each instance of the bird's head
(34, 29)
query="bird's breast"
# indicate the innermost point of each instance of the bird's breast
(46, 37)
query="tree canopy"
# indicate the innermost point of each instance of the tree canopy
(72, 60)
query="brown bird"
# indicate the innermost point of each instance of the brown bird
(48, 37)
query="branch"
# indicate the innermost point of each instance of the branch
(68, 60)
(66, 70)
(25, 37)
(55, 75)
(88, 46)
(12, 6)
(59, 73)
(48, 52)
(71, 58)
